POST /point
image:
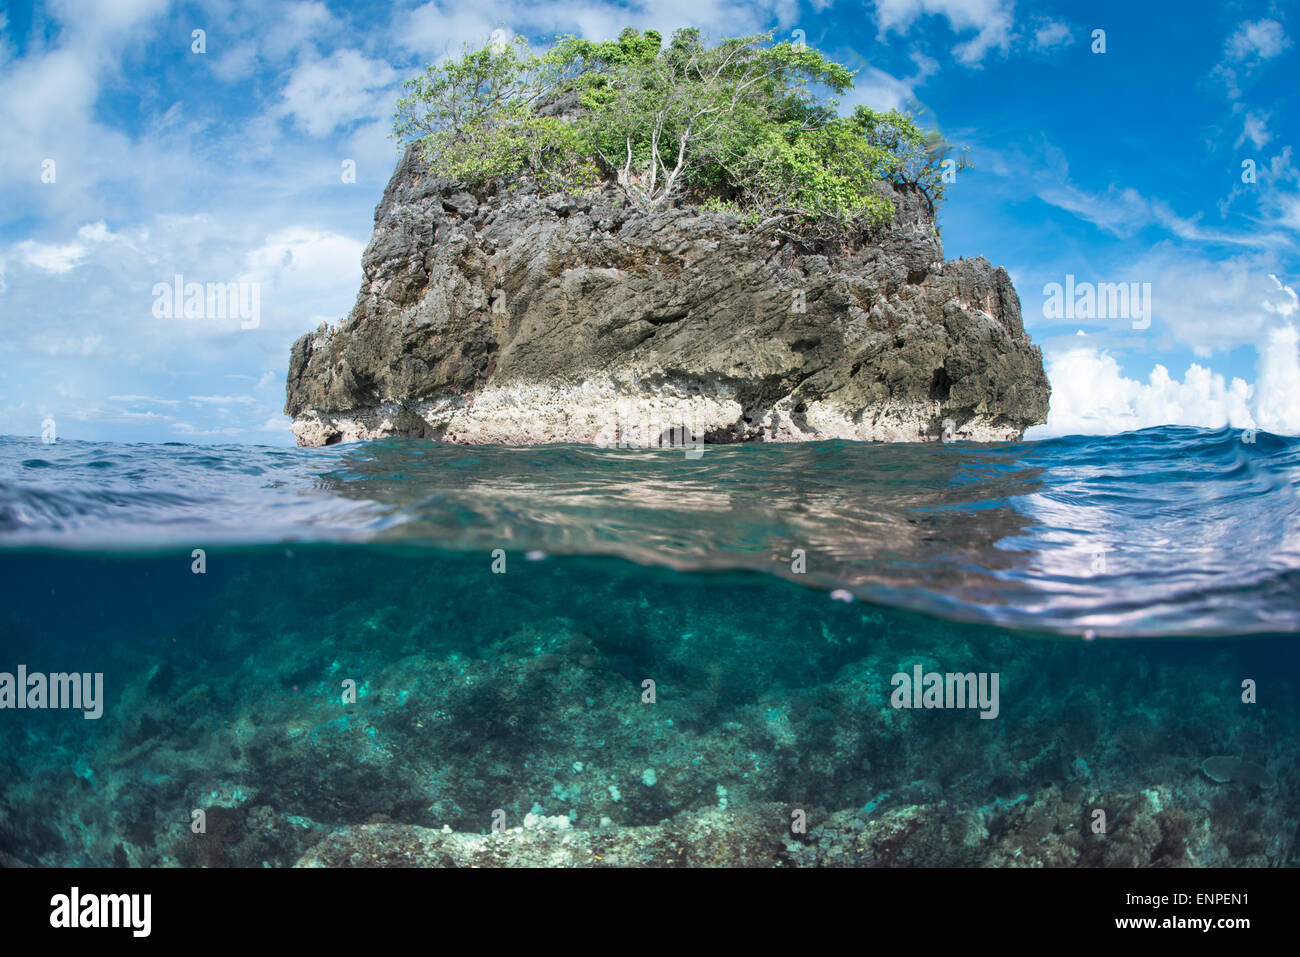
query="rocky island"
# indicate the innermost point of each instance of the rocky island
(509, 311)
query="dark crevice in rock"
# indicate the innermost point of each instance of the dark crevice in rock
(941, 385)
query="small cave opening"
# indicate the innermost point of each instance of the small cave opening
(941, 385)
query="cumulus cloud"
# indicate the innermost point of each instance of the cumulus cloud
(1258, 40)
(59, 258)
(1209, 306)
(1251, 45)
(1092, 396)
(990, 20)
(50, 258)
(1278, 406)
(1051, 35)
(323, 94)
(48, 101)
(298, 268)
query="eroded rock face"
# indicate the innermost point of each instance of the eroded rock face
(519, 319)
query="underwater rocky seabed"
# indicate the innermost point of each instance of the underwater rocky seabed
(523, 692)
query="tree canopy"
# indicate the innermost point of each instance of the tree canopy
(746, 125)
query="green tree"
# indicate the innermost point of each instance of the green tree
(916, 158)
(745, 124)
(477, 119)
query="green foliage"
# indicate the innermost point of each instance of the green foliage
(745, 125)
(825, 171)
(476, 119)
(915, 158)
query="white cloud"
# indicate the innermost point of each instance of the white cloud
(45, 107)
(323, 94)
(90, 24)
(1255, 129)
(1255, 41)
(95, 232)
(879, 90)
(1091, 396)
(245, 181)
(237, 62)
(48, 98)
(248, 41)
(441, 27)
(186, 428)
(1278, 197)
(1285, 301)
(991, 20)
(1050, 34)
(222, 399)
(1250, 45)
(1214, 305)
(278, 424)
(299, 267)
(56, 258)
(1123, 211)
(98, 413)
(1278, 382)
(300, 27)
(49, 258)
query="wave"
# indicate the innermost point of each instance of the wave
(1167, 531)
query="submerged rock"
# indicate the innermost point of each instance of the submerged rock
(1227, 769)
(516, 318)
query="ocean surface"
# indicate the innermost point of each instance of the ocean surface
(424, 654)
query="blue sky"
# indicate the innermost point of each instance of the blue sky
(225, 166)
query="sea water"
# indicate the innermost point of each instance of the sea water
(1074, 652)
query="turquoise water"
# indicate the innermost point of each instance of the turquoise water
(501, 611)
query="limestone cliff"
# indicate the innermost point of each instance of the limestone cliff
(514, 318)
